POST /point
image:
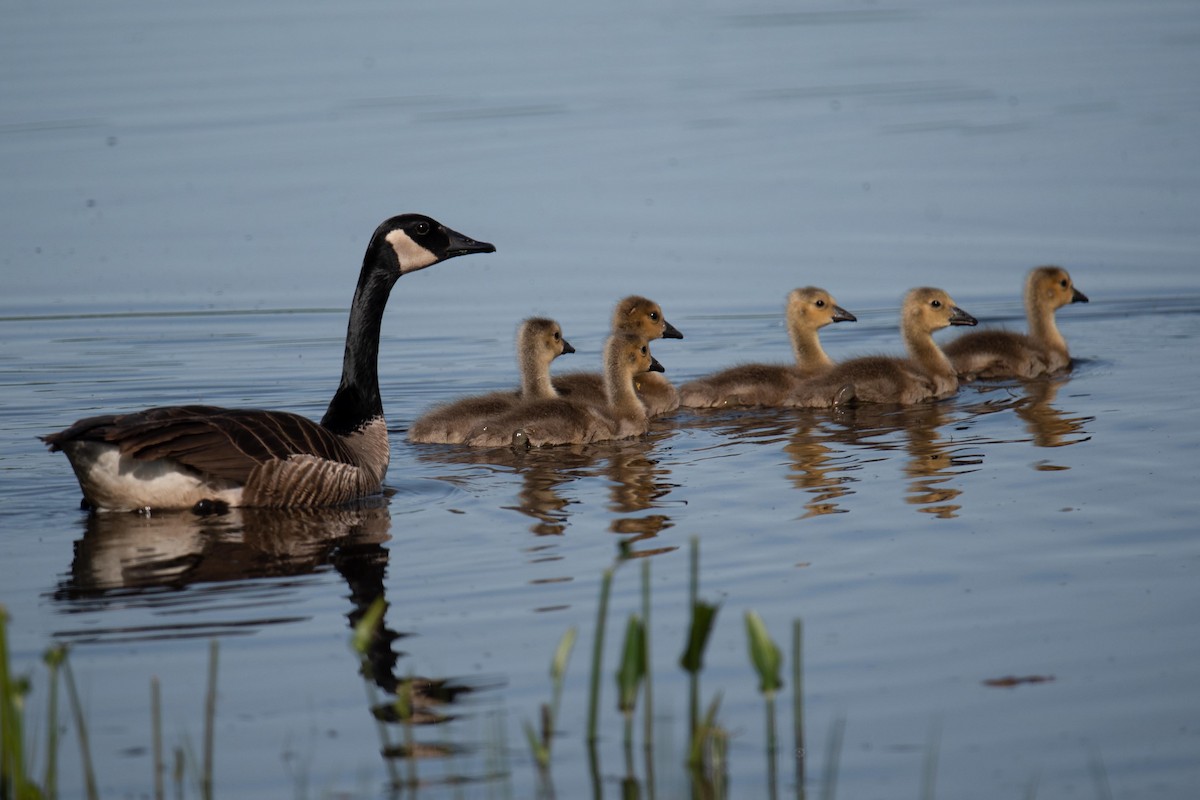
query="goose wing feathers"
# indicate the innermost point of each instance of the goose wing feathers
(220, 442)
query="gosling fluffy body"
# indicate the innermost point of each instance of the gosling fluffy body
(638, 316)
(926, 374)
(539, 342)
(562, 420)
(808, 310)
(1007, 354)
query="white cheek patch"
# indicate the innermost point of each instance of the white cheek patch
(411, 255)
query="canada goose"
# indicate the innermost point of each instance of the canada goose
(808, 310)
(926, 373)
(206, 458)
(564, 421)
(539, 341)
(639, 316)
(1007, 354)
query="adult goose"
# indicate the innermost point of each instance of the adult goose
(925, 375)
(539, 423)
(1008, 354)
(638, 316)
(208, 458)
(539, 342)
(808, 310)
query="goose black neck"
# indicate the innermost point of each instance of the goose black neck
(357, 399)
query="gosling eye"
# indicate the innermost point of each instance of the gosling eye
(557, 336)
(820, 304)
(421, 228)
(936, 303)
(654, 316)
(1063, 283)
(643, 349)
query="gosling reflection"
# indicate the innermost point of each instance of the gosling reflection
(638, 482)
(933, 462)
(817, 469)
(1049, 426)
(1032, 401)
(543, 471)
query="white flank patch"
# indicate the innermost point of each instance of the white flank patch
(412, 256)
(112, 482)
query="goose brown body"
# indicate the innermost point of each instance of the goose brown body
(539, 342)
(201, 457)
(925, 374)
(638, 316)
(808, 310)
(1008, 354)
(562, 420)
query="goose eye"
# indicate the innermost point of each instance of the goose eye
(421, 228)
(643, 350)
(654, 316)
(557, 336)
(936, 303)
(1063, 283)
(820, 304)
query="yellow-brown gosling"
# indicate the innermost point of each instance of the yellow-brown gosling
(1008, 354)
(539, 342)
(561, 420)
(925, 375)
(639, 316)
(808, 310)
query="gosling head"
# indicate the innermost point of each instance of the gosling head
(629, 354)
(1053, 286)
(643, 317)
(930, 309)
(815, 308)
(544, 335)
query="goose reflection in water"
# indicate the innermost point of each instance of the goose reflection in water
(638, 482)
(130, 558)
(1033, 402)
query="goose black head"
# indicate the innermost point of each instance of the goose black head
(419, 241)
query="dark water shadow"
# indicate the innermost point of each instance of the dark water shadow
(179, 564)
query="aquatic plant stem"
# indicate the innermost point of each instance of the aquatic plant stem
(929, 770)
(53, 657)
(833, 755)
(210, 715)
(772, 786)
(693, 592)
(156, 733)
(798, 704)
(648, 687)
(12, 758)
(85, 751)
(598, 655)
(648, 690)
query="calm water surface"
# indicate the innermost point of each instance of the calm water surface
(187, 194)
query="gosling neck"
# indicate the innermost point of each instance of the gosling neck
(806, 344)
(619, 390)
(925, 353)
(356, 401)
(1043, 327)
(535, 374)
